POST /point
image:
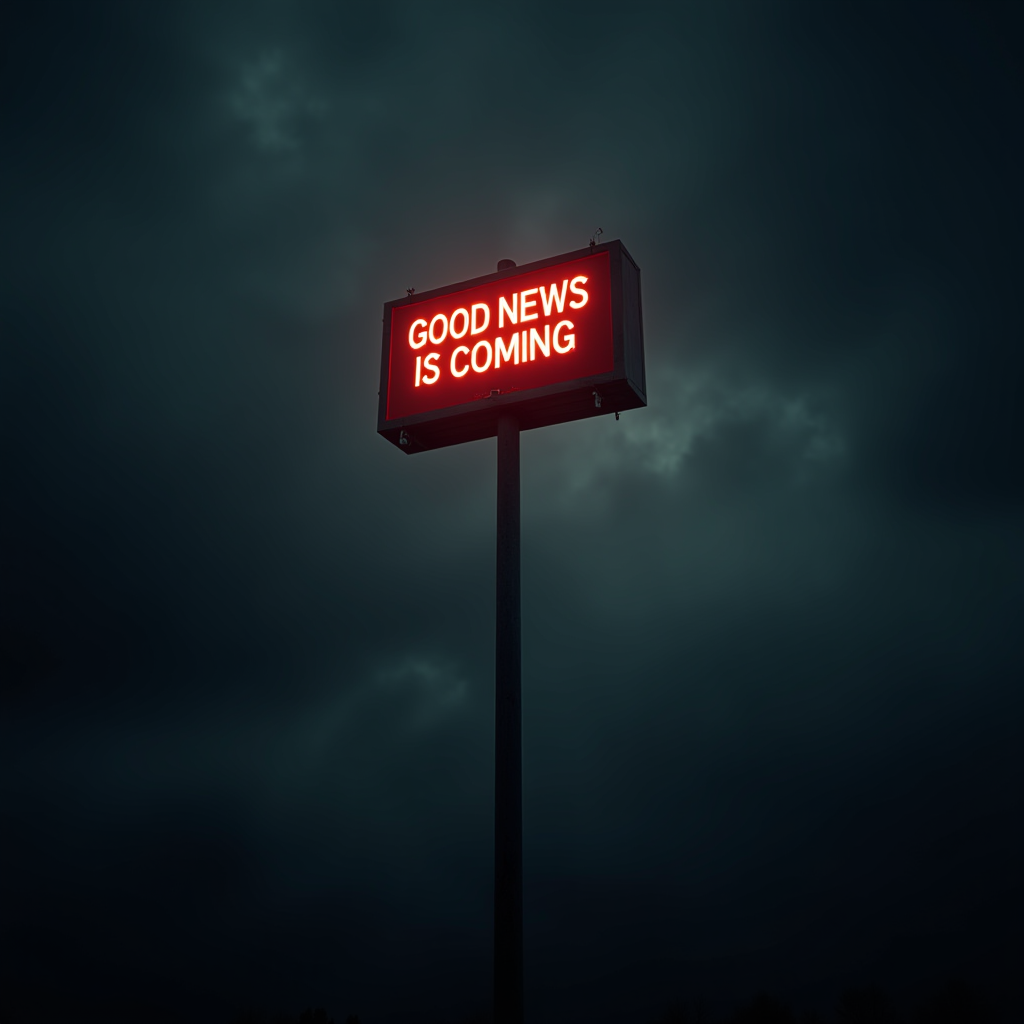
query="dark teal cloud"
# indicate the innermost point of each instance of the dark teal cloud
(769, 622)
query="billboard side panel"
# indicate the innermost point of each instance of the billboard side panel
(633, 324)
(385, 361)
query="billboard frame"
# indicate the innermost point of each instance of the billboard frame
(621, 388)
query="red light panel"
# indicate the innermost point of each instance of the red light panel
(556, 340)
(526, 331)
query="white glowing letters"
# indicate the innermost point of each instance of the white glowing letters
(420, 332)
(554, 335)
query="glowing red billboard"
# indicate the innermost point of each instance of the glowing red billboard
(552, 341)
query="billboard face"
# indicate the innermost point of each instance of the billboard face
(552, 341)
(526, 331)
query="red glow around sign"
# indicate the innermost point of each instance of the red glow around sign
(524, 331)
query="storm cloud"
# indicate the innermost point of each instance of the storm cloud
(771, 648)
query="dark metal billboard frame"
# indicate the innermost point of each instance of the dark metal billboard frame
(624, 387)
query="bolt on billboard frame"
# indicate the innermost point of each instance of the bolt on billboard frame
(571, 340)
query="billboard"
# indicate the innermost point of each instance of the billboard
(550, 341)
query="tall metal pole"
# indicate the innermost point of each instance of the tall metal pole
(508, 745)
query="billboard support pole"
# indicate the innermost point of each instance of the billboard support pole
(508, 744)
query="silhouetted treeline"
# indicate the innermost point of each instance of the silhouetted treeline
(310, 1015)
(954, 1002)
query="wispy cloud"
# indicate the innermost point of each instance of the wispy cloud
(271, 101)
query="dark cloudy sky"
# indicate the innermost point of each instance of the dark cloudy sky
(772, 651)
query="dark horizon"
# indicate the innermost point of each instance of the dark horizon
(771, 643)
(951, 1000)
